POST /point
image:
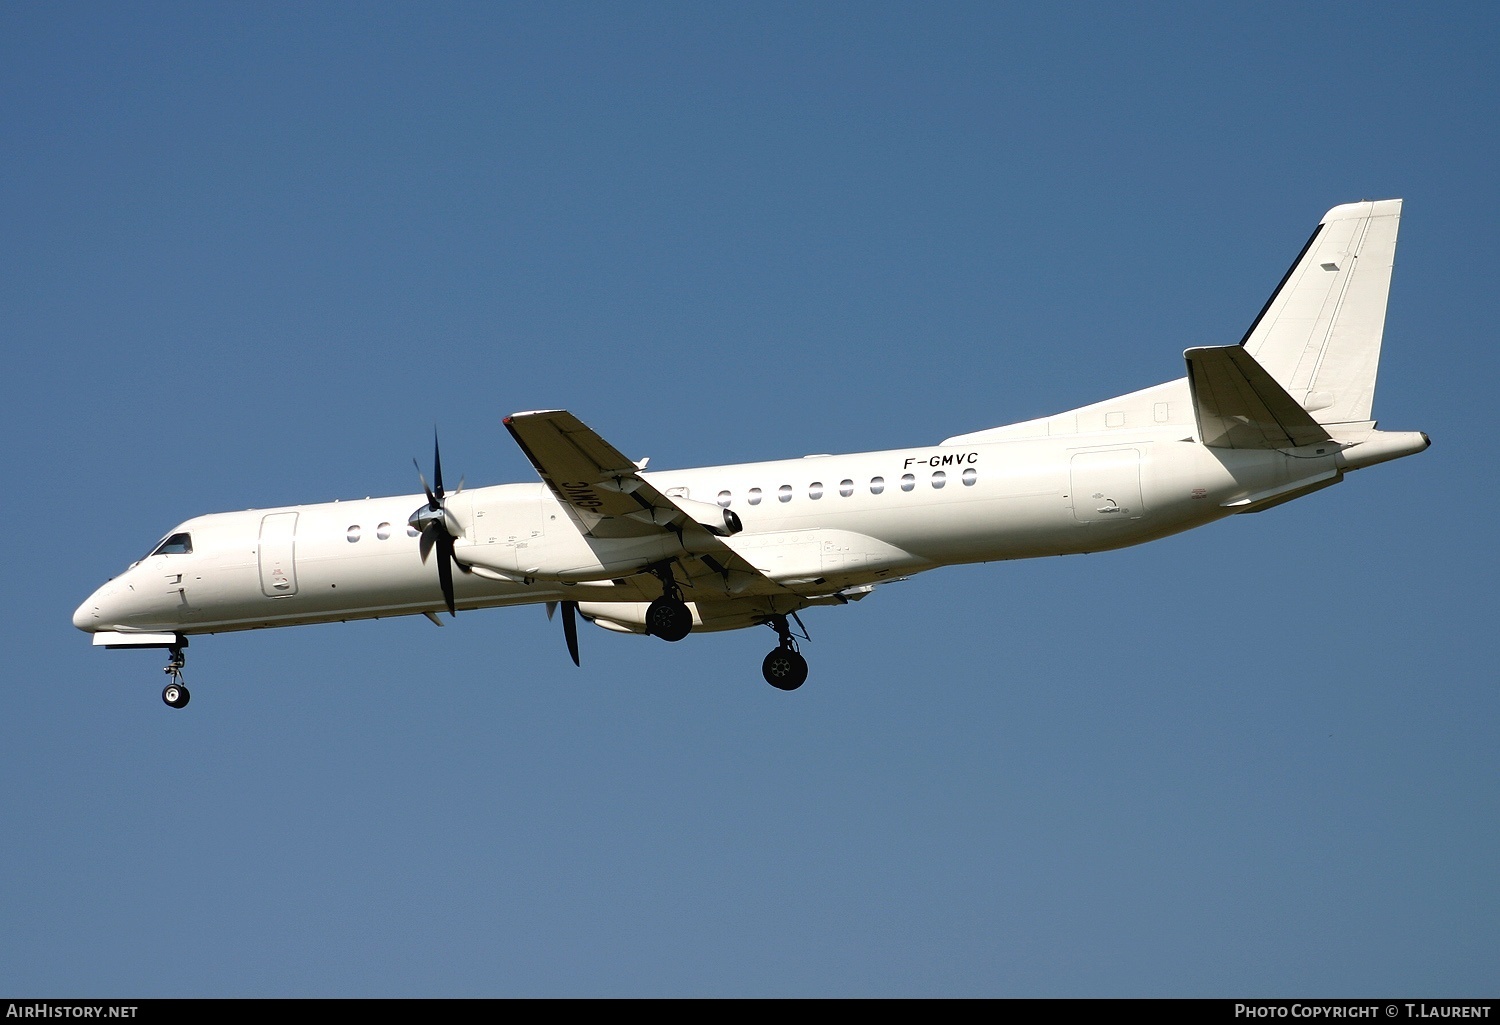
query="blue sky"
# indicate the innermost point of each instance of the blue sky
(254, 252)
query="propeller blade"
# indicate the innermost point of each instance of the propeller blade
(425, 541)
(551, 610)
(437, 466)
(570, 628)
(445, 569)
(432, 502)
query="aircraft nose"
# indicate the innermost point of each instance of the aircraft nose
(88, 617)
(84, 616)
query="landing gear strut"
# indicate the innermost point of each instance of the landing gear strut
(174, 693)
(668, 617)
(784, 668)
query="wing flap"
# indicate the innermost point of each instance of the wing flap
(1239, 405)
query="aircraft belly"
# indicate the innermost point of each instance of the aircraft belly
(811, 556)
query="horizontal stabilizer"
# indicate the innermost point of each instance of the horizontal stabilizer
(1239, 405)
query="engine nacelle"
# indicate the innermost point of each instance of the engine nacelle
(712, 518)
(628, 617)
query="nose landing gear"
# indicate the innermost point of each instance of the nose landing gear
(784, 668)
(174, 693)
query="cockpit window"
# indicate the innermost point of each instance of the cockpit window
(177, 544)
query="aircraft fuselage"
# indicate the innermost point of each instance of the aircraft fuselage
(820, 522)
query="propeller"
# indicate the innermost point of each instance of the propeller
(570, 625)
(436, 526)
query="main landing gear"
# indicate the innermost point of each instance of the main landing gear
(174, 693)
(668, 617)
(784, 668)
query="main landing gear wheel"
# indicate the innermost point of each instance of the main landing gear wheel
(784, 669)
(669, 619)
(175, 695)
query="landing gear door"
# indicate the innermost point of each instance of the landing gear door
(278, 568)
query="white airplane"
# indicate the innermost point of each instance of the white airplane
(1282, 414)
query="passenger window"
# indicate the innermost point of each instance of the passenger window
(177, 544)
(784, 493)
(353, 534)
(877, 485)
(754, 498)
(724, 499)
(846, 488)
(908, 481)
(383, 531)
(815, 490)
(411, 531)
(970, 476)
(939, 478)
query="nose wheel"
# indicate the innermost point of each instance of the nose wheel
(784, 668)
(175, 694)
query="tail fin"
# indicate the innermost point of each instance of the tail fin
(1319, 333)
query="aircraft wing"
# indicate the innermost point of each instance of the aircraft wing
(610, 498)
(1239, 405)
(589, 474)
